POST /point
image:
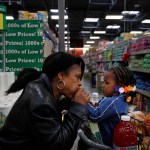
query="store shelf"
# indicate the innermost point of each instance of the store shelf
(85, 56)
(143, 92)
(98, 61)
(140, 70)
(101, 71)
(146, 51)
(122, 42)
(117, 59)
(99, 52)
(108, 60)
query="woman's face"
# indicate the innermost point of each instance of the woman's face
(72, 81)
(109, 84)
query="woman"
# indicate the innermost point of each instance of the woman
(35, 122)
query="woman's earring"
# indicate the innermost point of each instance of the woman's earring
(62, 83)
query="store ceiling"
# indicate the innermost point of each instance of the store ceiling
(78, 10)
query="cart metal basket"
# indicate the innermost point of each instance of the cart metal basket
(88, 141)
(143, 137)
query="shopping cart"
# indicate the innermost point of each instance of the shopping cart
(88, 140)
(143, 136)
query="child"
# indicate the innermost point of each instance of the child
(118, 89)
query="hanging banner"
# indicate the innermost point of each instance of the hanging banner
(24, 45)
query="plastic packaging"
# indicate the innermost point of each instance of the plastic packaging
(94, 125)
(125, 135)
(95, 130)
(95, 97)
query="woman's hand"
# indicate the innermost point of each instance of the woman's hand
(81, 96)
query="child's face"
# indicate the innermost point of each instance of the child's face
(109, 84)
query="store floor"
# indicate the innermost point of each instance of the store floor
(87, 85)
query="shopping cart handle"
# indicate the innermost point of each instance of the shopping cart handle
(92, 143)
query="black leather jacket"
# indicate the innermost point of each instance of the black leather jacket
(35, 121)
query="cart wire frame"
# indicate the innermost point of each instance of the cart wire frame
(140, 127)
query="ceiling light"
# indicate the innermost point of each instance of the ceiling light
(130, 12)
(113, 27)
(67, 42)
(9, 18)
(94, 37)
(56, 17)
(67, 45)
(125, 12)
(87, 45)
(54, 10)
(90, 42)
(133, 12)
(66, 37)
(114, 17)
(109, 27)
(136, 32)
(99, 32)
(85, 32)
(91, 19)
(57, 25)
(66, 32)
(146, 21)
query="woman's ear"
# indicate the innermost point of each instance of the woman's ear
(61, 75)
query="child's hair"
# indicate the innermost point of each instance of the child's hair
(124, 77)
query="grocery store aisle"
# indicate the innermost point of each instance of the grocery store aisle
(87, 85)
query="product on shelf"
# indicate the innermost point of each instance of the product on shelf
(126, 35)
(147, 122)
(125, 135)
(142, 102)
(118, 39)
(99, 81)
(145, 143)
(23, 15)
(142, 124)
(137, 119)
(103, 45)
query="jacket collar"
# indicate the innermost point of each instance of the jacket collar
(46, 80)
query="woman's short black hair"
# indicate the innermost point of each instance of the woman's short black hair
(53, 64)
(61, 62)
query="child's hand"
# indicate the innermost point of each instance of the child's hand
(93, 103)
